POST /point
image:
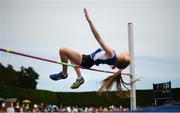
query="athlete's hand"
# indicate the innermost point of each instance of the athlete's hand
(86, 15)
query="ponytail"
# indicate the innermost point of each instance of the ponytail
(115, 79)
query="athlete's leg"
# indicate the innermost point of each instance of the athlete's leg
(74, 56)
(78, 72)
(68, 54)
(80, 80)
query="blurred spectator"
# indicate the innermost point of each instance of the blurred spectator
(17, 108)
(41, 107)
(105, 109)
(54, 108)
(10, 109)
(75, 109)
(86, 109)
(68, 109)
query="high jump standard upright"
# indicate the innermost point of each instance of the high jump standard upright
(131, 67)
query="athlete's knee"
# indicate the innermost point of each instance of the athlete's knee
(63, 51)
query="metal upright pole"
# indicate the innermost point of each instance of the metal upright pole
(131, 67)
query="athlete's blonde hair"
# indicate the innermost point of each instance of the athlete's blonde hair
(116, 79)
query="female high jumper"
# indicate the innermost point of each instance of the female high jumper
(103, 55)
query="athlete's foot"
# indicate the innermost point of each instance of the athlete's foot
(78, 83)
(58, 76)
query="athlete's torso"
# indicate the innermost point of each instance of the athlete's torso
(100, 57)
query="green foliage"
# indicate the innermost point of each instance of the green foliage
(144, 97)
(25, 78)
(80, 99)
(36, 96)
(176, 94)
(21, 84)
(90, 99)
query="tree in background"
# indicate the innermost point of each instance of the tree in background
(2, 73)
(28, 77)
(8, 75)
(25, 78)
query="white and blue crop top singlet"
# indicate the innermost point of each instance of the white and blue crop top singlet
(99, 57)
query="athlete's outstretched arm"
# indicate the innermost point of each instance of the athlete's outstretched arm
(106, 48)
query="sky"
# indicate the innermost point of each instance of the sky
(41, 27)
